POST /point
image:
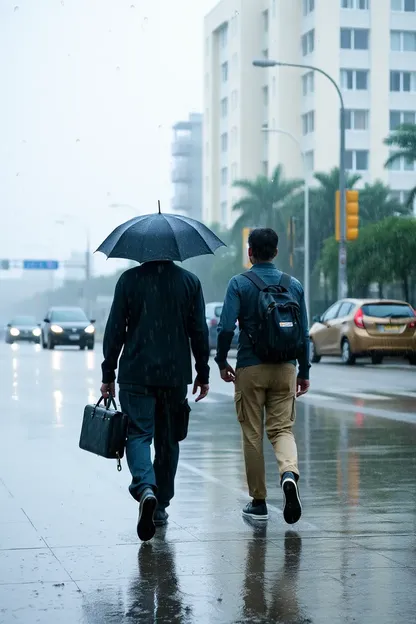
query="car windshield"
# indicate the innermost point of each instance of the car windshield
(24, 320)
(388, 310)
(61, 316)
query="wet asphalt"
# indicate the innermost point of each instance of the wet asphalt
(69, 552)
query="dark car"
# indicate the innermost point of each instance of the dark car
(67, 326)
(213, 314)
(23, 329)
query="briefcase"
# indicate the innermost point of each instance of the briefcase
(104, 430)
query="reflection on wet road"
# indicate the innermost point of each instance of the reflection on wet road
(68, 547)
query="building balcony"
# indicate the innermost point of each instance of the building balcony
(181, 146)
(181, 202)
(181, 173)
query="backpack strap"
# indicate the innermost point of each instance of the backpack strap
(285, 281)
(255, 279)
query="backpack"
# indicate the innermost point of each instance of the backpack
(278, 336)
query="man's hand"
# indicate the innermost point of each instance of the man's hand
(228, 374)
(302, 386)
(203, 390)
(107, 389)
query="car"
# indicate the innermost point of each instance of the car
(213, 313)
(67, 326)
(354, 328)
(23, 329)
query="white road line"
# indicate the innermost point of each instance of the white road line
(240, 493)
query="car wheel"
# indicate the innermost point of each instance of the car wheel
(90, 347)
(50, 344)
(82, 347)
(346, 356)
(314, 356)
(376, 358)
(412, 360)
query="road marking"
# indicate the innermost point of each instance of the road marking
(211, 479)
(316, 396)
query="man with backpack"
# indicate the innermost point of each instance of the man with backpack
(274, 333)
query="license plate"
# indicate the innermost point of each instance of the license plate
(74, 337)
(389, 329)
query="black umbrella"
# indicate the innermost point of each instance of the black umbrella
(160, 237)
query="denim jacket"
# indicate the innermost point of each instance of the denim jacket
(241, 304)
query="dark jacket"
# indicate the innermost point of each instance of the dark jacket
(158, 315)
(241, 303)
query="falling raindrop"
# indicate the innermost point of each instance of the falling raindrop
(17, 174)
(132, 6)
(62, 2)
(16, 8)
(118, 68)
(77, 141)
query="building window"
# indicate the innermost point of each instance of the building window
(402, 164)
(308, 42)
(224, 107)
(223, 212)
(354, 38)
(355, 4)
(403, 81)
(265, 53)
(356, 119)
(234, 100)
(403, 41)
(265, 168)
(403, 5)
(223, 35)
(308, 6)
(308, 122)
(224, 142)
(224, 176)
(265, 91)
(309, 159)
(354, 79)
(233, 136)
(308, 83)
(400, 196)
(224, 71)
(234, 24)
(356, 160)
(397, 118)
(233, 172)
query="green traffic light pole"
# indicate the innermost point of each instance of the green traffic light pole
(342, 250)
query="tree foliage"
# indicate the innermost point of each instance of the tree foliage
(403, 139)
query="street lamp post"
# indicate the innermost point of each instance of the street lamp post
(306, 274)
(342, 250)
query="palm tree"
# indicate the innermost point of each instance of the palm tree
(404, 139)
(264, 201)
(376, 204)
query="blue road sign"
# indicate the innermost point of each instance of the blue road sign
(45, 265)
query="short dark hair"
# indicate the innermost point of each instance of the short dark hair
(263, 243)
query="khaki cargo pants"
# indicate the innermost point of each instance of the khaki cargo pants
(265, 396)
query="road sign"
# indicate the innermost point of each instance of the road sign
(42, 265)
(4, 265)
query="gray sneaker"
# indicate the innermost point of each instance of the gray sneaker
(161, 517)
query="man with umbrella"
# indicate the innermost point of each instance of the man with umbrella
(157, 318)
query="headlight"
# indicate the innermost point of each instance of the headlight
(56, 329)
(36, 331)
(14, 331)
(90, 329)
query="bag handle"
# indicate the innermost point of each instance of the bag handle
(107, 402)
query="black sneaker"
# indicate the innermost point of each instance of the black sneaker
(145, 523)
(256, 510)
(292, 507)
(160, 517)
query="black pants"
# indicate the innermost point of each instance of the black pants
(151, 412)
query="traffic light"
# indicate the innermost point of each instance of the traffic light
(351, 215)
(4, 265)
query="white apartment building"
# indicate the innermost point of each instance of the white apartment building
(367, 46)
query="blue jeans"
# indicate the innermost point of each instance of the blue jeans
(151, 413)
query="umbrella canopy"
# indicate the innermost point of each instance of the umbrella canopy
(155, 237)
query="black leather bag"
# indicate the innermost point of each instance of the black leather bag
(181, 421)
(104, 430)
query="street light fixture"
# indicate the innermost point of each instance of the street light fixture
(306, 275)
(342, 250)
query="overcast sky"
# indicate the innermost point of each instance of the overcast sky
(90, 90)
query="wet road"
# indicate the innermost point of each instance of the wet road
(68, 547)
